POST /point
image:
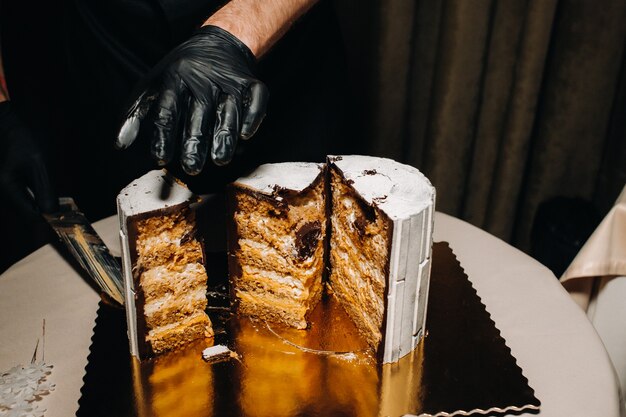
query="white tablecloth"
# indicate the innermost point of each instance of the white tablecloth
(596, 280)
(552, 339)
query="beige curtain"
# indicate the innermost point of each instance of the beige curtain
(503, 104)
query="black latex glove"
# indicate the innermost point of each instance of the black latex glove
(24, 180)
(203, 94)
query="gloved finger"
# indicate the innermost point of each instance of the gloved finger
(45, 197)
(166, 113)
(198, 130)
(227, 125)
(136, 114)
(255, 104)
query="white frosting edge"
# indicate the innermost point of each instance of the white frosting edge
(295, 176)
(399, 190)
(153, 191)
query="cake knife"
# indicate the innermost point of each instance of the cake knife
(76, 232)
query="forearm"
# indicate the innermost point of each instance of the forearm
(4, 95)
(259, 24)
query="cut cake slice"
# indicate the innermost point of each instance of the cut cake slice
(367, 220)
(164, 277)
(380, 248)
(276, 241)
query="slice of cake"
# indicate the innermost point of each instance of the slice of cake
(380, 246)
(368, 220)
(164, 277)
(276, 244)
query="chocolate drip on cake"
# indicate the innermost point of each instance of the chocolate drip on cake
(307, 239)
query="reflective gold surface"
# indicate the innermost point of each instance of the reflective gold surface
(462, 365)
(175, 385)
(324, 371)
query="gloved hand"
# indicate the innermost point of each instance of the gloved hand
(23, 173)
(206, 88)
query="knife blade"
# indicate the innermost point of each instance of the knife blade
(86, 246)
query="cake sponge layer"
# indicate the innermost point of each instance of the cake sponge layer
(174, 336)
(172, 279)
(358, 258)
(277, 250)
(165, 281)
(173, 308)
(167, 239)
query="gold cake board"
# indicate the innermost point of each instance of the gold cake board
(462, 367)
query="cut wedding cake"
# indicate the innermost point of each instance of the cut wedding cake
(366, 220)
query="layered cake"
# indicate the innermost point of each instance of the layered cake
(164, 277)
(367, 220)
(277, 260)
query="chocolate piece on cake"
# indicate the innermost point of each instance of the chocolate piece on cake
(164, 277)
(276, 242)
(380, 247)
(367, 219)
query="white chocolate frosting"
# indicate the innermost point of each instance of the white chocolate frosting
(294, 176)
(397, 189)
(153, 191)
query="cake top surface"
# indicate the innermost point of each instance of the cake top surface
(153, 191)
(397, 189)
(294, 176)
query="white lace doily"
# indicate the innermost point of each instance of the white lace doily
(21, 387)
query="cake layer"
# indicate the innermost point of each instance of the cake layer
(276, 283)
(360, 223)
(359, 247)
(166, 239)
(165, 281)
(173, 336)
(277, 248)
(174, 308)
(275, 309)
(172, 279)
(372, 254)
(263, 256)
(294, 233)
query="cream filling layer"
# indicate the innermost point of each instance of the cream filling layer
(365, 266)
(285, 284)
(165, 279)
(168, 300)
(265, 253)
(161, 330)
(273, 302)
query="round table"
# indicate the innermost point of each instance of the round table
(551, 338)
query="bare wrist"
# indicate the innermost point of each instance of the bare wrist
(4, 95)
(245, 36)
(256, 24)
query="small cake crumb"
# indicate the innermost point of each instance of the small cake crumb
(218, 353)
